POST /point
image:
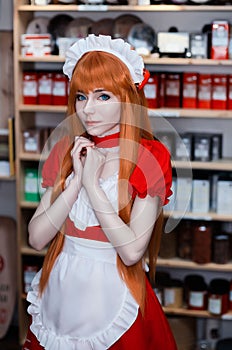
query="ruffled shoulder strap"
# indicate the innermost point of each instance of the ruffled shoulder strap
(153, 173)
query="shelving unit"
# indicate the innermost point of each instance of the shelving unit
(25, 115)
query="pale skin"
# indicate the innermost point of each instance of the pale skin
(99, 112)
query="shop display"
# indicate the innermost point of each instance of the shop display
(104, 26)
(38, 26)
(142, 37)
(123, 24)
(188, 100)
(78, 27)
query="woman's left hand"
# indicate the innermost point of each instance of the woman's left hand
(94, 164)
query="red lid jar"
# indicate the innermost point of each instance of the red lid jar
(218, 301)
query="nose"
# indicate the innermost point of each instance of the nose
(89, 107)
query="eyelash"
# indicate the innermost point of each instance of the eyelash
(104, 97)
(80, 97)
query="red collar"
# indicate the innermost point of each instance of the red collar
(107, 141)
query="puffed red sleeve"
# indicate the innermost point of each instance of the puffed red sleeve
(153, 172)
(53, 163)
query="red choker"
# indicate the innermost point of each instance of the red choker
(107, 141)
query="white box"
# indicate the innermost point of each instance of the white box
(35, 45)
(200, 196)
(183, 194)
(224, 197)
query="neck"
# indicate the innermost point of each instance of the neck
(106, 141)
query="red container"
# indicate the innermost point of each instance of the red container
(220, 40)
(150, 90)
(230, 296)
(161, 90)
(45, 82)
(30, 88)
(218, 301)
(173, 90)
(204, 91)
(219, 91)
(59, 89)
(189, 91)
(196, 292)
(229, 92)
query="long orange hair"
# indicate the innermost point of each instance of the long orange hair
(104, 70)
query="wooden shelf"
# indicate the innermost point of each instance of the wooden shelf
(7, 178)
(211, 216)
(26, 250)
(190, 265)
(195, 313)
(224, 164)
(30, 156)
(153, 113)
(185, 61)
(190, 113)
(42, 108)
(125, 8)
(149, 60)
(28, 205)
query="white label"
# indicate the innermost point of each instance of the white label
(30, 88)
(59, 88)
(169, 296)
(215, 306)
(31, 184)
(150, 91)
(196, 299)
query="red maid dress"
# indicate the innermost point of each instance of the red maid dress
(128, 330)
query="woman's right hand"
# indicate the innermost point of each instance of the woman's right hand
(78, 154)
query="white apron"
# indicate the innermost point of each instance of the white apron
(86, 305)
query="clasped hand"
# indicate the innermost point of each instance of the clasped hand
(88, 162)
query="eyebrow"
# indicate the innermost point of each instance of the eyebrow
(94, 91)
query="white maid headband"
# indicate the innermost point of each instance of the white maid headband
(117, 47)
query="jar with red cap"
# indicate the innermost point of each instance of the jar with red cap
(218, 301)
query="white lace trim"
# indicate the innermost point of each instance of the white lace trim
(86, 256)
(101, 341)
(117, 47)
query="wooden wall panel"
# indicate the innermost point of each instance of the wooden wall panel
(6, 77)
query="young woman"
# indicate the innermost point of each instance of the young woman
(106, 183)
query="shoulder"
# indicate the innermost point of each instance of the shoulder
(152, 173)
(53, 163)
(157, 148)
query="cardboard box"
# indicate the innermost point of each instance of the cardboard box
(229, 92)
(204, 94)
(200, 196)
(151, 91)
(189, 90)
(219, 91)
(173, 90)
(35, 45)
(224, 197)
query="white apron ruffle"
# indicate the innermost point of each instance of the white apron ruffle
(82, 213)
(86, 305)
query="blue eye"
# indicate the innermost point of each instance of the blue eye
(80, 97)
(104, 97)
